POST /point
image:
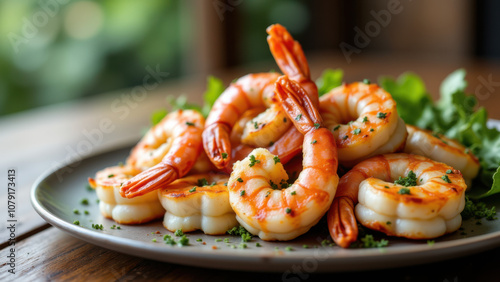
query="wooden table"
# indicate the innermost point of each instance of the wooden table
(35, 141)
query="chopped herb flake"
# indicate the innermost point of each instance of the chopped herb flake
(242, 193)
(366, 81)
(381, 115)
(76, 222)
(288, 210)
(253, 161)
(365, 119)
(356, 131)
(189, 123)
(276, 159)
(202, 182)
(410, 180)
(336, 127)
(239, 179)
(446, 178)
(404, 191)
(297, 118)
(224, 156)
(449, 171)
(111, 175)
(192, 189)
(84, 201)
(178, 232)
(314, 142)
(316, 125)
(293, 193)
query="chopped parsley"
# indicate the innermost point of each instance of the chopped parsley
(478, 210)
(239, 179)
(430, 242)
(199, 240)
(75, 211)
(366, 81)
(284, 119)
(154, 240)
(288, 249)
(84, 201)
(381, 115)
(242, 246)
(111, 175)
(192, 189)
(224, 156)
(76, 222)
(255, 125)
(86, 212)
(371, 129)
(345, 137)
(253, 161)
(267, 194)
(202, 182)
(336, 127)
(293, 193)
(288, 210)
(274, 186)
(189, 123)
(446, 178)
(298, 117)
(404, 191)
(218, 240)
(178, 232)
(276, 159)
(97, 226)
(365, 119)
(369, 242)
(258, 244)
(388, 223)
(356, 131)
(242, 193)
(314, 142)
(316, 125)
(226, 240)
(305, 246)
(449, 171)
(410, 180)
(241, 231)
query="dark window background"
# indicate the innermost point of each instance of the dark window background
(82, 48)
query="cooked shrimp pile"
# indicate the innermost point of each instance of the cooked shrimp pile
(267, 158)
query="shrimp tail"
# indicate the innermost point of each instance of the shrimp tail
(287, 53)
(149, 180)
(342, 222)
(217, 144)
(298, 105)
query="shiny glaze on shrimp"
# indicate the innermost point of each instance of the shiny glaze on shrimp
(442, 149)
(176, 141)
(265, 204)
(364, 120)
(198, 201)
(427, 210)
(257, 90)
(112, 205)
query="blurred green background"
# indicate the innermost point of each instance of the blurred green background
(54, 51)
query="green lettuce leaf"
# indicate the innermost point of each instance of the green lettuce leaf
(215, 87)
(328, 80)
(454, 115)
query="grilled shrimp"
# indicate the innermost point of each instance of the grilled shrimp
(257, 90)
(198, 201)
(442, 149)
(364, 121)
(167, 152)
(141, 209)
(265, 204)
(425, 203)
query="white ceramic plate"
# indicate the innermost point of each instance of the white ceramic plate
(57, 193)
